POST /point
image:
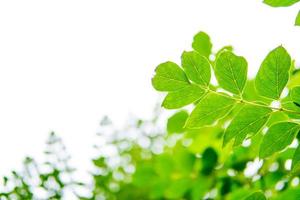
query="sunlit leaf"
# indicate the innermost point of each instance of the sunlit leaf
(176, 122)
(273, 74)
(248, 121)
(183, 97)
(202, 44)
(231, 72)
(280, 3)
(169, 77)
(211, 108)
(278, 137)
(196, 67)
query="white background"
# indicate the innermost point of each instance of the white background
(65, 64)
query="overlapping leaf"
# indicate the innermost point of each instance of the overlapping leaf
(248, 121)
(211, 108)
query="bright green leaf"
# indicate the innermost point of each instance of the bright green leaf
(211, 108)
(256, 196)
(169, 77)
(295, 95)
(273, 74)
(278, 137)
(196, 67)
(176, 122)
(296, 161)
(248, 121)
(183, 97)
(202, 44)
(231, 72)
(297, 20)
(280, 3)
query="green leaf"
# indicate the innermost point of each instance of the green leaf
(196, 67)
(231, 72)
(249, 120)
(183, 97)
(280, 3)
(296, 161)
(291, 193)
(278, 137)
(202, 44)
(211, 108)
(273, 74)
(295, 95)
(297, 20)
(176, 122)
(169, 77)
(209, 160)
(256, 196)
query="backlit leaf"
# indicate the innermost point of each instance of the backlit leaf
(196, 67)
(176, 122)
(278, 137)
(183, 97)
(211, 108)
(297, 20)
(202, 44)
(273, 74)
(231, 72)
(169, 77)
(295, 95)
(248, 121)
(280, 3)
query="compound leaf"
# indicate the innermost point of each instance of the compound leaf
(231, 72)
(211, 108)
(202, 44)
(280, 3)
(196, 67)
(278, 137)
(169, 77)
(183, 97)
(273, 74)
(249, 120)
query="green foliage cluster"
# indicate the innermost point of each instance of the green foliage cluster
(254, 111)
(284, 3)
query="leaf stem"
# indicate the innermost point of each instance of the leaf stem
(241, 100)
